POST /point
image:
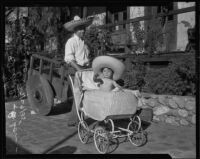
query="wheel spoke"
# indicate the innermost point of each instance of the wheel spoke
(101, 140)
(83, 132)
(136, 137)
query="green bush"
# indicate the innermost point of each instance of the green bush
(178, 78)
(134, 78)
(98, 41)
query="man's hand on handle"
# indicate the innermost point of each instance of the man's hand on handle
(74, 65)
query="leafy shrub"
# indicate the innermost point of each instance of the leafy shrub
(134, 78)
(185, 70)
(98, 41)
(14, 73)
(178, 78)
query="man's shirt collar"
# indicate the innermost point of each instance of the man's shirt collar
(77, 37)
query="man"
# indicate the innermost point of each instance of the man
(76, 53)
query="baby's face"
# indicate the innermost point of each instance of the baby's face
(107, 73)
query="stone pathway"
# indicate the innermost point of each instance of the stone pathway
(50, 134)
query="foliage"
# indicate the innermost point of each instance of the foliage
(136, 44)
(14, 74)
(152, 39)
(98, 40)
(15, 64)
(139, 34)
(178, 78)
(45, 19)
(134, 78)
(185, 69)
(155, 37)
(156, 33)
(27, 34)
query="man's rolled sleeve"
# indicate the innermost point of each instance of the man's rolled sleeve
(69, 52)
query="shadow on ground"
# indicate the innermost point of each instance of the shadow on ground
(61, 108)
(11, 148)
(52, 148)
(64, 150)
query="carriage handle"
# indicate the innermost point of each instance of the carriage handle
(77, 104)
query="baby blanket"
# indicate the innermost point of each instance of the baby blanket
(98, 104)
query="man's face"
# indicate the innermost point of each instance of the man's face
(80, 32)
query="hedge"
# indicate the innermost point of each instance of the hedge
(178, 78)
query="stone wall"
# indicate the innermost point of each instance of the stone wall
(176, 110)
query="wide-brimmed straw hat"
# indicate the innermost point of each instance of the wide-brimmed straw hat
(110, 62)
(78, 22)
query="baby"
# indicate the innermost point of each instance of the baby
(105, 80)
(107, 70)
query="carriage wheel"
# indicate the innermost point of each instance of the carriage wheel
(136, 136)
(83, 132)
(40, 94)
(101, 140)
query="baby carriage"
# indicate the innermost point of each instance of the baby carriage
(106, 109)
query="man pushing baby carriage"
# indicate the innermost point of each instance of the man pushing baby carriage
(98, 95)
(107, 70)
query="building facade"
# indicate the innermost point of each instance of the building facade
(170, 32)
